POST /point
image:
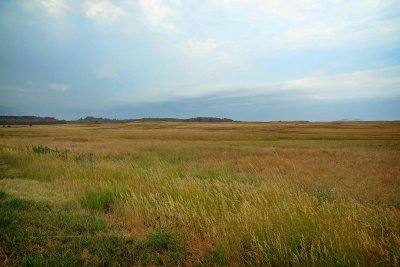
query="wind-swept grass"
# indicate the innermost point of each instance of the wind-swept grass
(299, 194)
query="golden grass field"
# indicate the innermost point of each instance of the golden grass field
(269, 194)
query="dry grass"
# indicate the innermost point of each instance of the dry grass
(242, 193)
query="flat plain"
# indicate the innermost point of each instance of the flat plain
(201, 194)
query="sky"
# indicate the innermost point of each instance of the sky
(254, 60)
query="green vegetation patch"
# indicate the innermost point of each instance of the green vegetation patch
(163, 247)
(98, 200)
(9, 167)
(216, 258)
(40, 149)
(37, 234)
(2, 194)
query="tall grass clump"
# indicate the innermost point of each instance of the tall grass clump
(98, 200)
(163, 247)
(40, 149)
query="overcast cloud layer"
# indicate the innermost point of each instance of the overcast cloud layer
(243, 59)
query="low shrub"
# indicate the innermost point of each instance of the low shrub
(40, 149)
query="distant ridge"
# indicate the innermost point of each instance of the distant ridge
(29, 120)
(36, 120)
(196, 119)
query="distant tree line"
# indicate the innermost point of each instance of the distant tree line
(196, 119)
(28, 120)
(209, 119)
(32, 120)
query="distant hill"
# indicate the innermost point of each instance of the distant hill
(208, 119)
(94, 120)
(90, 119)
(32, 120)
(29, 120)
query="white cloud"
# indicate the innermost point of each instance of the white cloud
(53, 7)
(59, 87)
(316, 31)
(303, 24)
(30, 83)
(211, 56)
(306, 9)
(289, 9)
(157, 13)
(103, 10)
(106, 72)
(346, 86)
(201, 47)
(382, 82)
(176, 2)
(355, 85)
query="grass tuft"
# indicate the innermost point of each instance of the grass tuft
(2, 194)
(216, 258)
(164, 240)
(98, 200)
(163, 247)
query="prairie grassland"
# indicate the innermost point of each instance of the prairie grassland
(277, 194)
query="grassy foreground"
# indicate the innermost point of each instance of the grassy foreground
(200, 194)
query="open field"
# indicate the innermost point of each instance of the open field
(200, 194)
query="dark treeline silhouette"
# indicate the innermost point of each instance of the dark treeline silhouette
(29, 120)
(196, 119)
(209, 119)
(36, 120)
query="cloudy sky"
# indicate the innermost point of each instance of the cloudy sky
(255, 60)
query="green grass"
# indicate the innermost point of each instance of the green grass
(217, 258)
(2, 194)
(163, 247)
(101, 200)
(38, 234)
